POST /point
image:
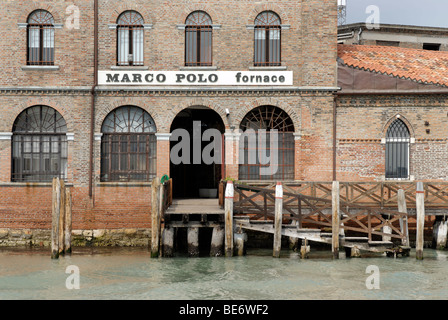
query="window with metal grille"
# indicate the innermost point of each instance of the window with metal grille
(39, 145)
(40, 31)
(198, 39)
(130, 39)
(128, 146)
(267, 118)
(397, 150)
(267, 39)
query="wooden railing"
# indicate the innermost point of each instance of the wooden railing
(259, 203)
(372, 194)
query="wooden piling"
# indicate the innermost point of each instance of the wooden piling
(355, 252)
(168, 242)
(420, 206)
(68, 222)
(155, 218)
(239, 240)
(440, 231)
(56, 210)
(335, 219)
(228, 217)
(305, 249)
(278, 220)
(387, 230)
(193, 241)
(293, 241)
(217, 243)
(404, 228)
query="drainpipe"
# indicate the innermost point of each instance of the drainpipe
(92, 106)
(359, 35)
(334, 136)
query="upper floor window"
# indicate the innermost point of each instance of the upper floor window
(130, 39)
(267, 39)
(39, 145)
(40, 38)
(198, 39)
(397, 150)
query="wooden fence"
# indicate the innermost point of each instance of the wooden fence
(371, 194)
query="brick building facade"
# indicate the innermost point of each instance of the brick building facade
(48, 64)
(50, 90)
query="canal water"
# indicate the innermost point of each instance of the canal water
(112, 273)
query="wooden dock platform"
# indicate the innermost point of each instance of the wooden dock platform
(315, 235)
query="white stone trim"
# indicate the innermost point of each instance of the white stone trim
(40, 68)
(5, 136)
(276, 68)
(412, 140)
(98, 136)
(55, 26)
(129, 68)
(163, 136)
(147, 26)
(198, 68)
(232, 136)
(70, 137)
(297, 136)
(183, 26)
(112, 26)
(282, 26)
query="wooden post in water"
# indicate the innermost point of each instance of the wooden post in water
(239, 241)
(278, 220)
(305, 249)
(216, 248)
(420, 206)
(403, 221)
(228, 217)
(68, 222)
(294, 242)
(168, 242)
(155, 219)
(440, 231)
(56, 210)
(335, 219)
(193, 241)
(61, 228)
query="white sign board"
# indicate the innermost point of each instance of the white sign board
(195, 78)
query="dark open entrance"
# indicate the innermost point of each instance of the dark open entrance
(198, 180)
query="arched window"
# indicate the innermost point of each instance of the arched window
(130, 39)
(267, 39)
(128, 146)
(267, 145)
(39, 145)
(397, 150)
(198, 39)
(40, 38)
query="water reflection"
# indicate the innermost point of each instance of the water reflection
(111, 273)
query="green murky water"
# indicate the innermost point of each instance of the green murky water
(131, 274)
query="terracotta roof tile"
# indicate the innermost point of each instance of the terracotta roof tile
(424, 66)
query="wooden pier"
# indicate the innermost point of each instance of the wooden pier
(346, 216)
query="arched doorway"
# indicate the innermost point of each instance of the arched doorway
(193, 175)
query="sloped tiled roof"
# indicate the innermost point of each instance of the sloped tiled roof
(424, 66)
